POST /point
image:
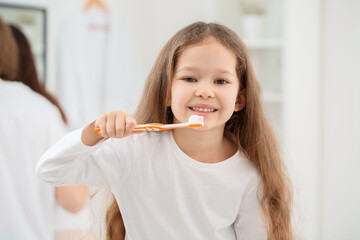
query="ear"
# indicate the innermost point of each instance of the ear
(241, 101)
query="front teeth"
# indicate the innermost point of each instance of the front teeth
(203, 109)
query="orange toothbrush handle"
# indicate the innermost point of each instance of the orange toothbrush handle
(97, 130)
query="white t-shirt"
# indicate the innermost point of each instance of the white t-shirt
(163, 193)
(29, 125)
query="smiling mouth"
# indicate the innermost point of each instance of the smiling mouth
(197, 109)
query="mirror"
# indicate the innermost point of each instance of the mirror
(32, 22)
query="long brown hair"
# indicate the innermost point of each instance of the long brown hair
(248, 128)
(27, 73)
(8, 53)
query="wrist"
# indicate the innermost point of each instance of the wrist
(89, 137)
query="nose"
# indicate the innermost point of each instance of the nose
(205, 91)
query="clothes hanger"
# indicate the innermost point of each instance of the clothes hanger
(96, 3)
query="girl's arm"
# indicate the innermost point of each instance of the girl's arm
(71, 198)
(89, 137)
(80, 158)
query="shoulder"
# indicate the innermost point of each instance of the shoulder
(9, 88)
(29, 115)
(22, 93)
(248, 175)
(247, 168)
(24, 103)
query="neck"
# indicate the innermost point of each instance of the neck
(208, 146)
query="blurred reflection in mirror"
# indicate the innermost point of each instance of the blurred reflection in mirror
(31, 120)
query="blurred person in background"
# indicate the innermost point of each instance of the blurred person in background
(31, 120)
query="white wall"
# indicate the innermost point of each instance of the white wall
(322, 116)
(154, 22)
(301, 110)
(340, 169)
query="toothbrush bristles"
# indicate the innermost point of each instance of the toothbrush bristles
(196, 119)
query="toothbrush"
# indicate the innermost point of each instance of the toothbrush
(194, 121)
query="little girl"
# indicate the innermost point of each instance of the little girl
(224, 180)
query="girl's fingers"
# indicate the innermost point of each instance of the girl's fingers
(116, 124)
(110, 124)
(130, 123)
(120, 125)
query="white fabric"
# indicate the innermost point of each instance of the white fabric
(29, 125)
(163, 193)
(98, 66)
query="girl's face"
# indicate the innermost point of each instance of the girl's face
(205, 83)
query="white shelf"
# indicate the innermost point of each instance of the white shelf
(263, 44)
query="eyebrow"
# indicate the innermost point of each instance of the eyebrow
(189, 68)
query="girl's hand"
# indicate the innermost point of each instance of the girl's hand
(115, 124)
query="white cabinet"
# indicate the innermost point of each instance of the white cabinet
(262, 32)
(268, 65)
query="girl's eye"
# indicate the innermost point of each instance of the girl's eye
(221, 81)
(190, 79)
